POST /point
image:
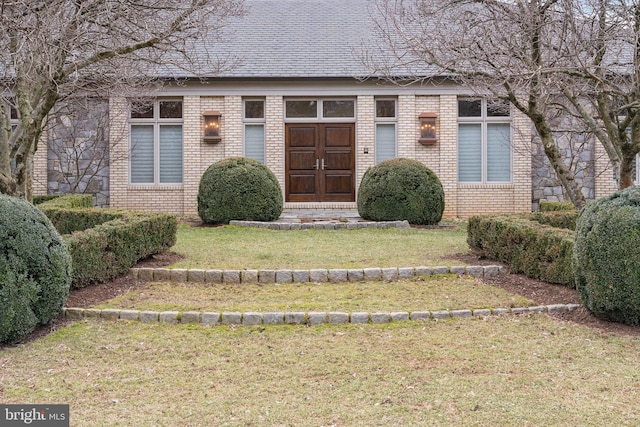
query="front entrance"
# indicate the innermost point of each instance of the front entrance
(320, 162)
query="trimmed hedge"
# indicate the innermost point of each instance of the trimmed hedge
(239, 188)
(536, 250)
(559, 219)
(607, 258)
(401, 189)
(108, 250)
(105, 243)
(556, 206)
(35, 269)
(67, 201)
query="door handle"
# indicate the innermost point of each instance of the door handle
(317, 164)
(322, 164)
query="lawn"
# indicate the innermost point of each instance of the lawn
(524, 370)
(514, 370)
(447, 292)
(253, 248)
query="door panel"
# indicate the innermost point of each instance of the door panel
(320, 162)
(301, 181)
(302, 185)
(337, 184)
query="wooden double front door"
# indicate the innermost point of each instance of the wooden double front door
(320, 162)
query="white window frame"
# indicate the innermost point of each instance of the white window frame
(156, 122)
(484, 120)
(255, 122)
(320, 110)
(386, 121)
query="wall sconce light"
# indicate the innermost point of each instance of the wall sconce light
(428, 128)
(212, 126)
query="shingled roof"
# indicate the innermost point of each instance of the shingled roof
(298, 39)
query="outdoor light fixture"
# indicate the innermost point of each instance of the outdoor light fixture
(212, 126)
(428, 128)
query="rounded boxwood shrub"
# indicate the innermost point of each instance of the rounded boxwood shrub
(239, 188)
(401, 189)
(606, 256)
(35, 269)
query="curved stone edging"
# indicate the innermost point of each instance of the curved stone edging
(336, 275)
(321, 225)
(300, 318)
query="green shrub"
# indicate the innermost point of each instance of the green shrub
(401, 189)
(556, 206)
(607, 258)
(559, 219)
(66, 221)
(109, 249)
(35, 269)
(536, 250)
(239, 189)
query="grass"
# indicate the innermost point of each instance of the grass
(522, 371)
(251, 248)
(422, 293)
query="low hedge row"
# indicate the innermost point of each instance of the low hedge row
(536, 250)
(559, 219)
(105, 243)
(556, 206)
(69, 201)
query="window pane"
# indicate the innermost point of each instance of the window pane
(170, 154)
(302, 109)
(344, 108)
(142, 154)
(469, 153)
(497, 108)
(254, 109)
(254, 142)
(499, 152)
(170, 109)
(385, 108)
(469, 108)
(141, 110)
(385, 141)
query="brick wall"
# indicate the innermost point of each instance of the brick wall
(461, 200)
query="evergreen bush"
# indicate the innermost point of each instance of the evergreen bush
(239, 188)
(35, 269)
(401, 189)
(533, 249)
(606, 256)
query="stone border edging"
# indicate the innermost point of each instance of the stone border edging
(321, 225)
(301, 318)
(336, 275)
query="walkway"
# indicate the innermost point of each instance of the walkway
(332, 219)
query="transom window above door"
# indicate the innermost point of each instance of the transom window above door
(313, 109)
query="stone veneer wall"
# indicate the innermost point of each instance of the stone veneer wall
(579, 151)
(78, 150)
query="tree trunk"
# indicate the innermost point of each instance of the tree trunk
(564, 174)
(625, 174)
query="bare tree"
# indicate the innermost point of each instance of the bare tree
(53, 49)
(510, 50)
(602, 82)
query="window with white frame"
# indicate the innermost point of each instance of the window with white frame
(156, 142)
(385, 121)
(484, 141)
(254, 129)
